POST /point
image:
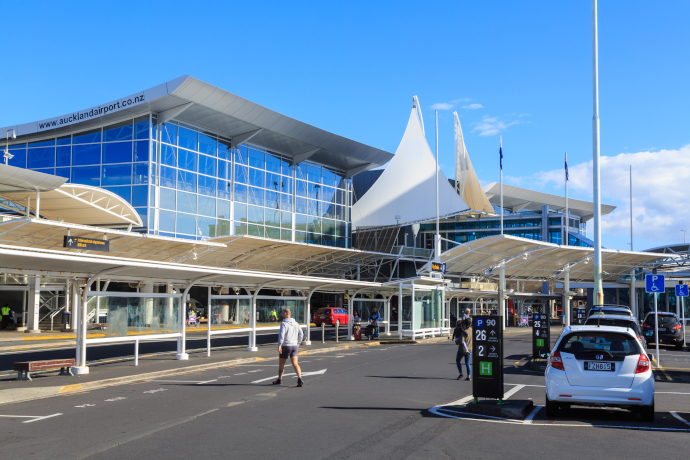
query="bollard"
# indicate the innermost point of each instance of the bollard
(136, 352)
(323, 332)
(336, 331)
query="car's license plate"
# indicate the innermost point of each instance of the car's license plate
(595, 366)
(662, 329)
(322, 317)
(648, 333)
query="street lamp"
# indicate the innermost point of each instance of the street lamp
(8, 156)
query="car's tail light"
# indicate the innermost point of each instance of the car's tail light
(639, 338)
(646, 326)
(642, 364)
(677, 326)
(556, 361)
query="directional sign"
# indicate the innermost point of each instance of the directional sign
(487, 357)
(437, 267)
(579, 316)
(681, 290)
(654, 283)
(541, 336)
(88, 244)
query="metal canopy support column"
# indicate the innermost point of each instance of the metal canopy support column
(350, 306)
(400, 310)
(34, 304)
(566, 296)
(181, 314)
(307, 335)
(633, 299)
(388, 314)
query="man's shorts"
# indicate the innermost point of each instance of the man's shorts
(289, 351)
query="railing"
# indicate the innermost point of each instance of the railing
(53, 314)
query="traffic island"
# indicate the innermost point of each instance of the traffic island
(513, 408)
(538, 364)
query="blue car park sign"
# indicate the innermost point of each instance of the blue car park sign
(654, 284)
(681, 290)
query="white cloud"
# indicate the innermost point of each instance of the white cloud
(490, 126)
(473, 106)
(442, 106)
(660, 197)
(462, 99)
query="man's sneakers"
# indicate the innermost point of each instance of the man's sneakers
(300, 382)
(278, 382)
(460, 377)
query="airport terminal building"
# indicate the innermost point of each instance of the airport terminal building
(124, 213)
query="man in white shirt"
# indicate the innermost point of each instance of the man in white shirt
(289, 338)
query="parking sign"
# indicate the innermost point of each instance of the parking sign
(681, 290)
(654, 284)
(487, 357)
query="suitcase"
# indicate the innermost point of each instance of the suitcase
(357, 332)
(369, 332)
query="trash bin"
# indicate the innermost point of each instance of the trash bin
(66, 316)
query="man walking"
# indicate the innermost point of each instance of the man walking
(466, 315)
(5, 316)
(289, 338)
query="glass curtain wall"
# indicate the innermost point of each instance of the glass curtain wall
(366, 307)
(122, 316)
(231, 313)
(428, 309)
(115, 157)
(269, 311)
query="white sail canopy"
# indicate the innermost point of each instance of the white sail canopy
(466, 181)
(407, 187)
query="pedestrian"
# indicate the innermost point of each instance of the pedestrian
(466, 314)
(467, 348)
(459, 339)
(374, 318)
(5, 313)
(289, 338)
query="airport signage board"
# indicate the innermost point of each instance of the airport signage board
(579, 316)
(438, 267)
(681, 290)
(487, 357)
(654, 284)
(86, 244)
(541, 336)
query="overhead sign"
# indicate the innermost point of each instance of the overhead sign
(541, 336)
(487, 357)
(87, 244)
(437, 267)
(654, 283)
(681, 290)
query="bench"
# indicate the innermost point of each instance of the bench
(25, 368)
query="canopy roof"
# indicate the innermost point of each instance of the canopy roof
(78, 204)
(530, 259)
(237, 252)
(13, 179)
(208, 107)
(516, 199)
(406, 190)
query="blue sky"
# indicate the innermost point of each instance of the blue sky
(353, 67)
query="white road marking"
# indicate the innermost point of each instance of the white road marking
(120, 398)
(86, 405)
(41, 418)
(257, 370)
(461, 401)
(304, 374)
(669, 393)
(510, 393)
(156, 390)
(241, 373)
(530, 417)
(680, 418)
(35, 418)
(525, 385)
(198, 382)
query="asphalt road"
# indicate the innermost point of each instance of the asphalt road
(384, 402)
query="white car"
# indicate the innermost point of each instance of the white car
(599, 366)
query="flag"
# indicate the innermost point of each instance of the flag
(500, 153)
(567, 177)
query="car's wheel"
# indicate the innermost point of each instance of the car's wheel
(647, 413)
(551, 407)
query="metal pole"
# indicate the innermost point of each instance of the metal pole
(323, 332)
(656, 330)
(598, 288)
(682, 309)
(336, 331)
(136, 352)
(209, 316)
(502, 293)
(437, 257)
(566, 296)
(631, 214)
(400, 311)
(633, 299)
(500, 142)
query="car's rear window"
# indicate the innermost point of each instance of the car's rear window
(593, 321)
(614, 343)
(610, 311)
(663, 319)
(323, 311)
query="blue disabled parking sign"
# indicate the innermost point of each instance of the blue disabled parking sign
(681, 290)
(654, 283)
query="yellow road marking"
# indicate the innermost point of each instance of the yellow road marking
(260, 359)
(66, 388)
(75, 394)
(139, 383)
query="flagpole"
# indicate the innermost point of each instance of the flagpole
(500, 151)
(596, 179)
(437, 257)
(566, 239)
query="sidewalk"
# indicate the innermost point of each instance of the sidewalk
(123, 372)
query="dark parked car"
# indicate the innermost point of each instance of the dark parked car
(621, 310)
(670, 329)
(617, 320)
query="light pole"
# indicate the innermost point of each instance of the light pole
(598, 288)
(8, 156)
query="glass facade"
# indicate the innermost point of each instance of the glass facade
(194, 185)
(121, 316)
